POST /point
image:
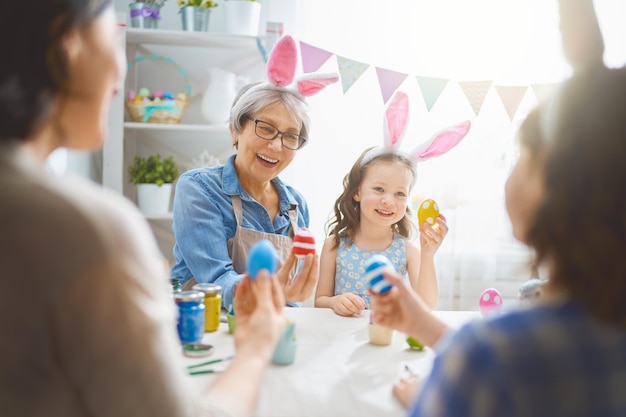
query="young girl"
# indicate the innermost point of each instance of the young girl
(372, 217)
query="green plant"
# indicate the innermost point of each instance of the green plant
(153, 170)
(207, 4)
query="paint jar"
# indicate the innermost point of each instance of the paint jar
(212, 303)
(190, 316)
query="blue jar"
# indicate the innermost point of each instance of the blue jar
(190, 316)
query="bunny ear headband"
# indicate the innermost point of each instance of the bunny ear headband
(281, 70)
(396, 118)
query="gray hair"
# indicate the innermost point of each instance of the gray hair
(254, 97)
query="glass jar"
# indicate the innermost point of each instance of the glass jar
(190, 316)
(213, 304)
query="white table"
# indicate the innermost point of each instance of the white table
(337, 372)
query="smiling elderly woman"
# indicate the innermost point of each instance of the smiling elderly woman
(219, 212)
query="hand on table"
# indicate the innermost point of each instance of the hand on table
(348, 304)
(406, 389)
(431, 237)
(259, 310)
(301, 286)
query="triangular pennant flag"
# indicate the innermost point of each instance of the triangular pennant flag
(475, 92)
(312, 57)
(511, 96)
(544, 91)
(431, 89)
(350, 71)
(389, 81)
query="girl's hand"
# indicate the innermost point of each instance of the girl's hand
(301, 286)
(431, 237)
(347, 304)
(259, 310)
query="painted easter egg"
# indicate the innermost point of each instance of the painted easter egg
(374, 269)
(130, 95)
(414, 343)
(303, 242)
(143, 92)
(428, 212)
(262, 256)
(490, 302)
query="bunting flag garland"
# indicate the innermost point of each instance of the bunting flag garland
(543, 91)
(431, 89)
(312, 57)
(475, 92)
(511, 97)
(350, 71)
(389, 81)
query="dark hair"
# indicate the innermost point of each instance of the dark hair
(580, 226)
(346, 211)
(34, 65)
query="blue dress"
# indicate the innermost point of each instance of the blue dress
(350, 266)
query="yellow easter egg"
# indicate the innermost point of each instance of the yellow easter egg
(428, 212)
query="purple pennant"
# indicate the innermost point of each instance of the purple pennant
(389, 81)
(312, 57)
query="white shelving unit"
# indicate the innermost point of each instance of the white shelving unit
(194, 51)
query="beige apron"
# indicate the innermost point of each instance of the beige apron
(240, 244)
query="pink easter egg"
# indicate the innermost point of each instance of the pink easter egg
(131, 94)
(157, 94)
(490, 301)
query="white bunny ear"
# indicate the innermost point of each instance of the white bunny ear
(282, 62)
(396, 118)
(441, 143)
(311, 84)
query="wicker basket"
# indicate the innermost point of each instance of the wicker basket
(165, 111)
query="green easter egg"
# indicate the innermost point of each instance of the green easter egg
(143, 92)
(414, 344)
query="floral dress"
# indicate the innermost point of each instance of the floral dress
(351, 261)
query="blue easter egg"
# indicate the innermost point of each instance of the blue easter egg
(374, 273)
(262, 256)
(168, 96)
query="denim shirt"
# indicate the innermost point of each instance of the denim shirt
(204, 221)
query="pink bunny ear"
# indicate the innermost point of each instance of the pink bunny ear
(312, 84)
(282, 62)
(396, 118)
(442, 142)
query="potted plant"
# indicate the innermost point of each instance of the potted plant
(195, 14)
(242, 17)
(154, 177)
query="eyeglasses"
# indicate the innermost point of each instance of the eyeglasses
(267, 131)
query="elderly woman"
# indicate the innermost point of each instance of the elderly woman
(219, 212)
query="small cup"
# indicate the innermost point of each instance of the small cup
(285, 351)
(231, 320)
(380, 335)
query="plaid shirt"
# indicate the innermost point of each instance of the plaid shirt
(550, 361)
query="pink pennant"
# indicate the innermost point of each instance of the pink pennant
(389, 81)
(312, 57)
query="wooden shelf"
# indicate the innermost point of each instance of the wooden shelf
(183, 38)
(177, 127)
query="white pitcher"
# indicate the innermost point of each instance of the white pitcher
(219, 95)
